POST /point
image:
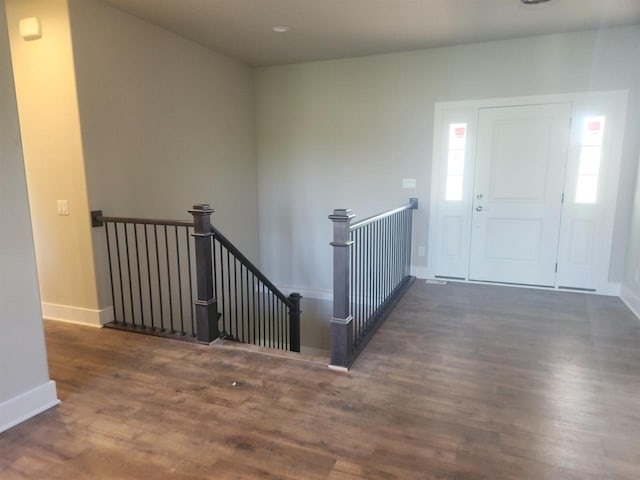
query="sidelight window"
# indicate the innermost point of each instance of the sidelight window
(590, 156)
(455, 161)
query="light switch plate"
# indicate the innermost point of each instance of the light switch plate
(63, 207)
(409, 183)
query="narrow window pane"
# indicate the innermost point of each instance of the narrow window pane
(593, 131)
(590, 155)
(587, 189)
(590, 161)
(455, 163)
(454, 188)
(457, 136)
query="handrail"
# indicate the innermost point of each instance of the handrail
(374, 218)
(247, 263)
(143, 221)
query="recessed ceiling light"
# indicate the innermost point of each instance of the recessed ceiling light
(281, 28)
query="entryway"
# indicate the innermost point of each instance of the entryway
(524, 190)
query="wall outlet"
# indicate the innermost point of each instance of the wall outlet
(409, 183)
(422, 251)
(63, 207)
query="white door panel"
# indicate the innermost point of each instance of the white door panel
(520, 164)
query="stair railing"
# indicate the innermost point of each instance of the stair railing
(187, 280)
(371, 272)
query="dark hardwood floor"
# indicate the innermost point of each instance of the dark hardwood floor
(461, 382)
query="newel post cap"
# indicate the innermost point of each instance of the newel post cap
(341, 215)
(201, 209)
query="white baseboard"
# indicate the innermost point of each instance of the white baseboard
(77, 315)
(27, 405)
(337, 368)
(419, 272)
(611, 288)
(631, 299)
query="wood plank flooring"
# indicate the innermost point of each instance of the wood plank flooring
(462, 382)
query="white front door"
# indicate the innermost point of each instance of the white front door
(521, 157)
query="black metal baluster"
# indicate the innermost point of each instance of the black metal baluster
(280, 326)
(382, 253)
(378, 250)
(397, 250)
(286, 338)
(124, 316)
(268, 326)
(373, 275)
(400, 240)
(235, 294)
(245, 300)
(261, 323)
(146, 249)
(389, 257)
(402, 234)
(113, 297)
(229, 302)
(126, 241)
(182, 332)
(265, 317)
(222, 299)
(239, 298)
(356, 281)
(409, 239)
(247, 297)
(374, 262)
(169, 291)
(352, 283)
(155, 237)
(362, 280)
(361, 253)
(271, 330)
(135, 237)
(382, 256)
(381, 260)
(255, 313)
(191, 307)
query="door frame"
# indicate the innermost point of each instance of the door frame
(455, 266)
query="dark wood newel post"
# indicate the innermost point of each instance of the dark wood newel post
(342, 321)
(294, 322)
(206, 305)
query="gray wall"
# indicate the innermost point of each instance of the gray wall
(631, 284)
(344, 133)
(23, 364)
(166, 123)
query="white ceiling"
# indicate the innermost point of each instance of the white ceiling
(327, 29)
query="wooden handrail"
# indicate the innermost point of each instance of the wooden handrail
(142, 221)
(412, 205)
(252, 268)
